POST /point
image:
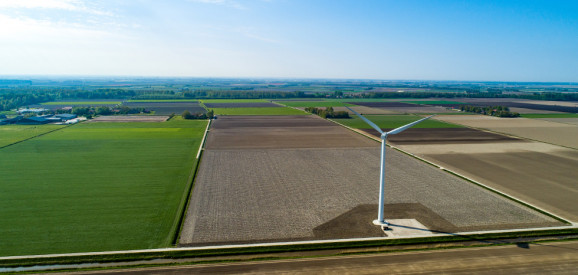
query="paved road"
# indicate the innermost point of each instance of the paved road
(545, 258)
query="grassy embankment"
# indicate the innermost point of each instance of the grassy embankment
(96, 187)
(393, 121)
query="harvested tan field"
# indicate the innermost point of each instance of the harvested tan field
(261, 180)
(245, 132)
(129, 119)
(568, 120)
(443, 136)
(541, 130)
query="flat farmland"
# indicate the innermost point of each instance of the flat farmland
(315, 104)
(367, 110)
(167, 108)
(243, 105)
(542, 174)
(259, 111)
(10, 134)
(443, 136)
(247, 191)
(545, 131)
(129, 119)
(393, 121)
(96, 187)
(390, 104)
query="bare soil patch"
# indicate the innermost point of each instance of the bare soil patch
(568, 120)
(129, 119)
(541, 130)
(245, 132)
(443, 136)
(532, 111)
(267, 195)
(547, 180)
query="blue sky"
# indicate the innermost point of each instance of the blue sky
(404, 39)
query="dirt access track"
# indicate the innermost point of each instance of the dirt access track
(289, 178)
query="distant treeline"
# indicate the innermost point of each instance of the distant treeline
(11, 98)
(89, 112)
(499, 111)
(208, 115)
(327, 113)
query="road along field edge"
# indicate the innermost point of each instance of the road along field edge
(184, 204)
(334, 247)
(522, 202)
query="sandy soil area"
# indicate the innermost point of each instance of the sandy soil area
(129, 119)
(532, 111)
(443, 136)
(569, 120)
(541, 130)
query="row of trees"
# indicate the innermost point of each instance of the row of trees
(327, 113)
(89, 112)
(499, 111)
(208, 115)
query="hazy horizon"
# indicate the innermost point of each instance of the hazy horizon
(491, 41)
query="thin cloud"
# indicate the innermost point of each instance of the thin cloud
(66, 5)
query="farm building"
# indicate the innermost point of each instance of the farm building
(64, 117)
(33, 120)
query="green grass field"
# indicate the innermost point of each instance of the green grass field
(393, 121)
(258, 111)
(434, 102)
(233, 100)
(96, 187)
(10, 134)
(314, 103)
(82, 103)
(161, 100)
(568, 115)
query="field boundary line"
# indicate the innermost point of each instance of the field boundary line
(184, 204)
(39, 135)
(520, 201)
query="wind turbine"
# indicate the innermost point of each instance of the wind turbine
(380, 220)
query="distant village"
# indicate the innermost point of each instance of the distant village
(31, 117)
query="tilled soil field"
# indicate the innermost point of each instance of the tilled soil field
(167, 108)
(545, 179)
(248, 191)
(242, 105)
(443, 136)
(367, 110)
(252, 132)
(541, 130)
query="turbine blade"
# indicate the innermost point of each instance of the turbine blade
(402, 128)
(366, 120)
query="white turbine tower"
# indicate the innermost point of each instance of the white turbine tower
(380, 220)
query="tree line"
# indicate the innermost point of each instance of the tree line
(499, 111)
(327, 113)
(198, 115)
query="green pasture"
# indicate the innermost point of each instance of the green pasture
(82, 103)
(566, 115)
(96, 187)
(314, 103)
(10, 134)
(393, 121)
(233, 100)
(161, 100)
(263, 111)
(433, 102)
